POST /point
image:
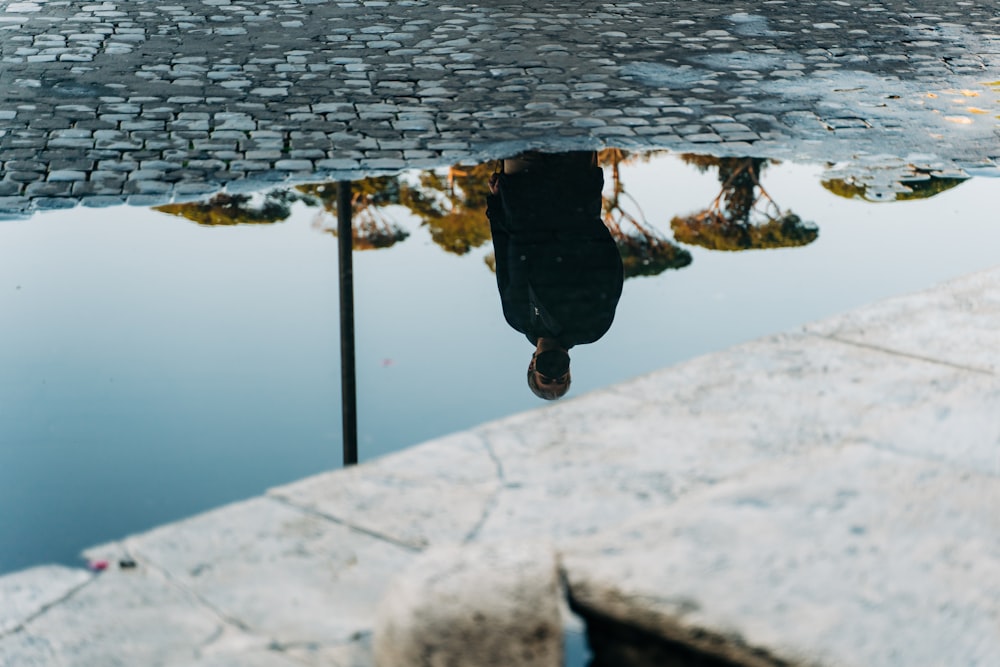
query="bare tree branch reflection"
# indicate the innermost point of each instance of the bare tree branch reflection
(644, 251)
(743, 216)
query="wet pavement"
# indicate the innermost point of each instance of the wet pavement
(146, 103)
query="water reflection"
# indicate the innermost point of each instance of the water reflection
(235, 209)
(743, 216)
(218, 352)
(557, 267)
(371, 228)
(566, 231)
(644, 251)
(913, 183)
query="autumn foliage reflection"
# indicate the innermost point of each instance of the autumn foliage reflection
(451, 204)
(919, 184)
(371, 226)
(743, 216)
(235, 209)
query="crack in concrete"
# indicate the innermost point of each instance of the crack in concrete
(22, 626)
(494, 499)
(311, 511)
(214, 637)
(900, 353)
(497, 462)
(225, 618)
(488, 508)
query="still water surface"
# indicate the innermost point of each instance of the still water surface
(151, 368)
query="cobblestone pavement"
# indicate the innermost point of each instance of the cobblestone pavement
(146, 102)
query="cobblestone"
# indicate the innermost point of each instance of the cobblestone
(302, 85)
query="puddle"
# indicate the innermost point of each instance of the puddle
(160, 362)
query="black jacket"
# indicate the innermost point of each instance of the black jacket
(558, 270)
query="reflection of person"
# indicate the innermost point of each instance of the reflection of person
(558, 269)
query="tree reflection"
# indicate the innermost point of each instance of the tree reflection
(917, 184)
(235, 209)
(452, 206)
(643, 250)
(743, 216)
(371, 226)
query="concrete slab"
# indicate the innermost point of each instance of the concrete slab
(272, 570)
(851, 556)
(957, 323)
(595, 461)
(388, 497)
(29, 592)
(123, 618)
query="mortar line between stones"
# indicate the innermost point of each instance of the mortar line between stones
(898, 353)
(46, 607)
(223, 617)
(340, 522)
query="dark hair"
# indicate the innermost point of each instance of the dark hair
(551, 364)
(548, 394)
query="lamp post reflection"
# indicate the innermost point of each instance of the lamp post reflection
(348, 382)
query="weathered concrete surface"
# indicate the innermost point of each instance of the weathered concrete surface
(32, 591)
(850, 556)
(959, 326)
(825, 496)
(135, 617)
(379, 495)
(106, 102)
(273, 570)
(485, 605)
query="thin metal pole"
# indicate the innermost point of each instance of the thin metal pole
(348, 384)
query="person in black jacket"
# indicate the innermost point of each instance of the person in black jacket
(558, 270)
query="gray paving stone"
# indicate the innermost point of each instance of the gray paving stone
(51, 203)
(67, 175)
(102, 201)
